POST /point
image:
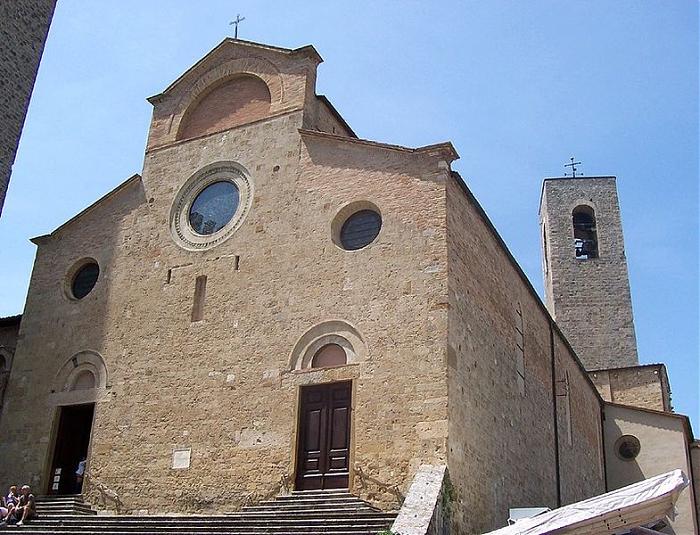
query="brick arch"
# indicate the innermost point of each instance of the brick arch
(255, 67)
(231, 102)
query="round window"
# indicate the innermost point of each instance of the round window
(360, 229)
(214, 207)
(210, 206)
(627, 447)
(85, 279)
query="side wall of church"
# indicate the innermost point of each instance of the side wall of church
(502, 442)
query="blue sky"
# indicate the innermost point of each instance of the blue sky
(518, 87)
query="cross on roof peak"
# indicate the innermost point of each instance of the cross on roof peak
(235, 24)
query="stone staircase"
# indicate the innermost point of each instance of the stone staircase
(301, 513)
(70, 504)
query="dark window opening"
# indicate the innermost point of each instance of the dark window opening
(360, 229)
(628, 447)
(85, 280)
(585, 233)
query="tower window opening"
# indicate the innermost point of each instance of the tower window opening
(585, 234)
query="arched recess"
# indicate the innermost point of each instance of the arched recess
(81, 379)
(257, 67)
(333, 332)
(230, 102)
(585, 232)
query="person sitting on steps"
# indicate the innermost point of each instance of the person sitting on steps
(26, 508)
(9, 503)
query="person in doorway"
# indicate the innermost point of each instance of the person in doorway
(26, 508)
(79, 475)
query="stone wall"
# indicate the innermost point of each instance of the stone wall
(325, 120)
(224, 387)
(639, 386)
(664, 446)
(502, 446)
(24, 25)
(589, 299)
(426, 509)
(9, 332)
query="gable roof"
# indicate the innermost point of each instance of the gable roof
(132, 179)
(446, 148)
(307, 50)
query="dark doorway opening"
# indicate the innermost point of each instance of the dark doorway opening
(71, 446)
(323, 448)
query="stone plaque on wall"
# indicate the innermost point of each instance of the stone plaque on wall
(181, 458)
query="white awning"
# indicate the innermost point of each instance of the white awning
(626, 508)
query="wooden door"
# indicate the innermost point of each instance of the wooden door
(323, 450)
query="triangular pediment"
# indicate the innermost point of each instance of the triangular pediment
(286, 76)
(238, 48)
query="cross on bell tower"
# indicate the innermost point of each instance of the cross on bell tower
(235, 24)
(573, 165)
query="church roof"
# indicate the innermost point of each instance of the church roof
(307, 50)
(445, 148)
(134, 178)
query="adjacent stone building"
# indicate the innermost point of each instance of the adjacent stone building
(276, 304)
(24, 25)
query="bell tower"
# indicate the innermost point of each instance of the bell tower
(586, 281)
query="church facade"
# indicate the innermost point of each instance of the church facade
(275, 304)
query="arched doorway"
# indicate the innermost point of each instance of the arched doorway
(79, 384)
(71, 447)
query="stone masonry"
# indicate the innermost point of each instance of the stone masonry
(643, 386)
(9, 331)
(455, 360)
(24, 25)
(589, 298)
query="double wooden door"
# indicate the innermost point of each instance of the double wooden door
(323, 447)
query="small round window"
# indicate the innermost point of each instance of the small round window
(214, 207)
(85, 279)
(360, 229)
(627, 447)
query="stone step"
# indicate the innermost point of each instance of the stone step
(316, 494)
(335, 512)
(256, 528)
(314, 500)
(79, 520)
(307, 525)
(262, 530)
(54, 506)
